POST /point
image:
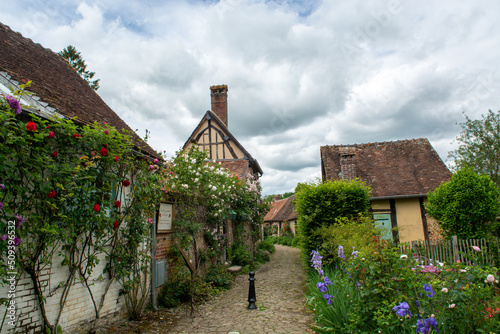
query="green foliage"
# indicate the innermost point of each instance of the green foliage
(479, 143)
(82, 194)
(218, 276)
(460, 297)
(333, 318)
(466, 206)
(174, 292)
(321, 204)
(355, 234)
(267, 245)
(240, 255)
(75, 59)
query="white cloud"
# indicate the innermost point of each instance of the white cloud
(300, 74)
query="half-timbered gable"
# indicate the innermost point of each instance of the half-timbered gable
(212, 135)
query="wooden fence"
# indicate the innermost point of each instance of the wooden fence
(451, 251)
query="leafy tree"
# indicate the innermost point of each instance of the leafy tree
(479, 146)
(465, 206)
(74, 58)
(323, 204)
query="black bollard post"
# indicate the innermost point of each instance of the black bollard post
(251, 292)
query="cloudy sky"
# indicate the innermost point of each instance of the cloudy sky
(301, 74)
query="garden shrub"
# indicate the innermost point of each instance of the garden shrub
(240, 255)
(218, 276)
(466, 206)
(355, 234)
(267, 245)
(174, 292)
(323, 203)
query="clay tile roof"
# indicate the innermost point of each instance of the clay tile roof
(281, 210)
(398, 168)
(55, 82)
(239, 167)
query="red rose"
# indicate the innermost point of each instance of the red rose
(116, 158)
(76, 135)
(51, 134)
(106, 132)
(104, 151)
(31, 126)
(117, 204)
(96, 207)
(115, 224)
(54, 154)
(126, 183)
(52, 194)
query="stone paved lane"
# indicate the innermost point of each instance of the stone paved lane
(280, 300)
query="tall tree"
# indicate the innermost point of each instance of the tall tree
(479, 146)
(75, 59)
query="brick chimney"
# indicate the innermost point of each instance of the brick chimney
(347, 163)
(219, 102)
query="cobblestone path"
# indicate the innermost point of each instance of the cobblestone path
(280, 300)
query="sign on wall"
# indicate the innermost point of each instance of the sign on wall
(165, 218)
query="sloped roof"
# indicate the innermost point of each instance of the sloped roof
(392, 169)
(210, 115)
(281, 210)
(55, 82)
(239, 167)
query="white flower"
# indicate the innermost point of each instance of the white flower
(490, 279)
(451, 306)
(445, 290)
(403, 256)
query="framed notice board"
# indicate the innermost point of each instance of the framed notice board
(165, 218)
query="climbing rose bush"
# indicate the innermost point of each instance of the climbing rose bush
(63, 187)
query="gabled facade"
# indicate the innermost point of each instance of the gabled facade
(400, 174)
(282, 211)
(212, 134)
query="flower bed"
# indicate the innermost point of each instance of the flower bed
(386, 293)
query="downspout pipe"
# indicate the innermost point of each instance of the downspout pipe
(153, 266)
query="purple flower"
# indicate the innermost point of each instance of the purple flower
(1, 205)
(14, 104)
(19, 220)
(402, 309)
(426, 326)
(341, 252)
(321, 273)
(354, 252)
(327, 281)
(2, 186)
(322, 287)
(17, 241)
(3, 237)
(329, 298)
(316, 260)
(428, 288)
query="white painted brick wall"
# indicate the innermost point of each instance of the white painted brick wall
(78, 309)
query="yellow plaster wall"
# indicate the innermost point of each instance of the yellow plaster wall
(409, 219)
(384, 204)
